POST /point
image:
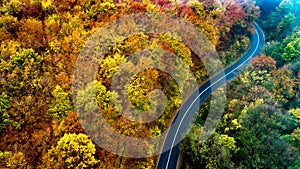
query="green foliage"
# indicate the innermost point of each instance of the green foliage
(73, 151)
(215, 152)
(40, 41)
(25, 57)
(221, 152)
(4, 115)
(61, 105)
(267, 7)
(286, 25)
(274, 19)
(276, 49)
(294, 138)
(264, 134)
(284, 87)
(4, 105)
(260, 137)
(292, 51)
(278, 19)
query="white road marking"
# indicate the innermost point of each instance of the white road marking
(202, 93)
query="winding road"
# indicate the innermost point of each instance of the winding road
(181, 122)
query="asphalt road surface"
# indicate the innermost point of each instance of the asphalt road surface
(188, 110)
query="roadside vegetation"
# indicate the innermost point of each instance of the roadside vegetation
(41, 40)
(260, 125)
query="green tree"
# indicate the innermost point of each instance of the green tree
(286, 25)
(213, 153)
(275, 49)
(292, 51)
(294, 138)
(4, 115)
(259, 141)
(61, 105)
(274, 19)
(267, 7)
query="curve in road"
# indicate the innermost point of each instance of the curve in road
(180, 124)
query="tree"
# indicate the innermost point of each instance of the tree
(10, 7)
(267, 7)
(259, 141)
(4, 115)
(61, 105)
(40, 41)
(263, 63)
(294, 138)
(274, 19)
(14, 160)
(99, 11)
(275, 49)
(286, 26)
(22, 72)
(292, 51)
(72, 151)
(213, 153)
(284, 87)
(8, 26)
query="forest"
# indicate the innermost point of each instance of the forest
(260, 127)
(42, 39)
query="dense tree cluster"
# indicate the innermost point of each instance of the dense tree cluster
(261, 120)
(41, 40)
(282, 30)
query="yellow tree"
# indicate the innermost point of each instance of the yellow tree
(72, 151)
